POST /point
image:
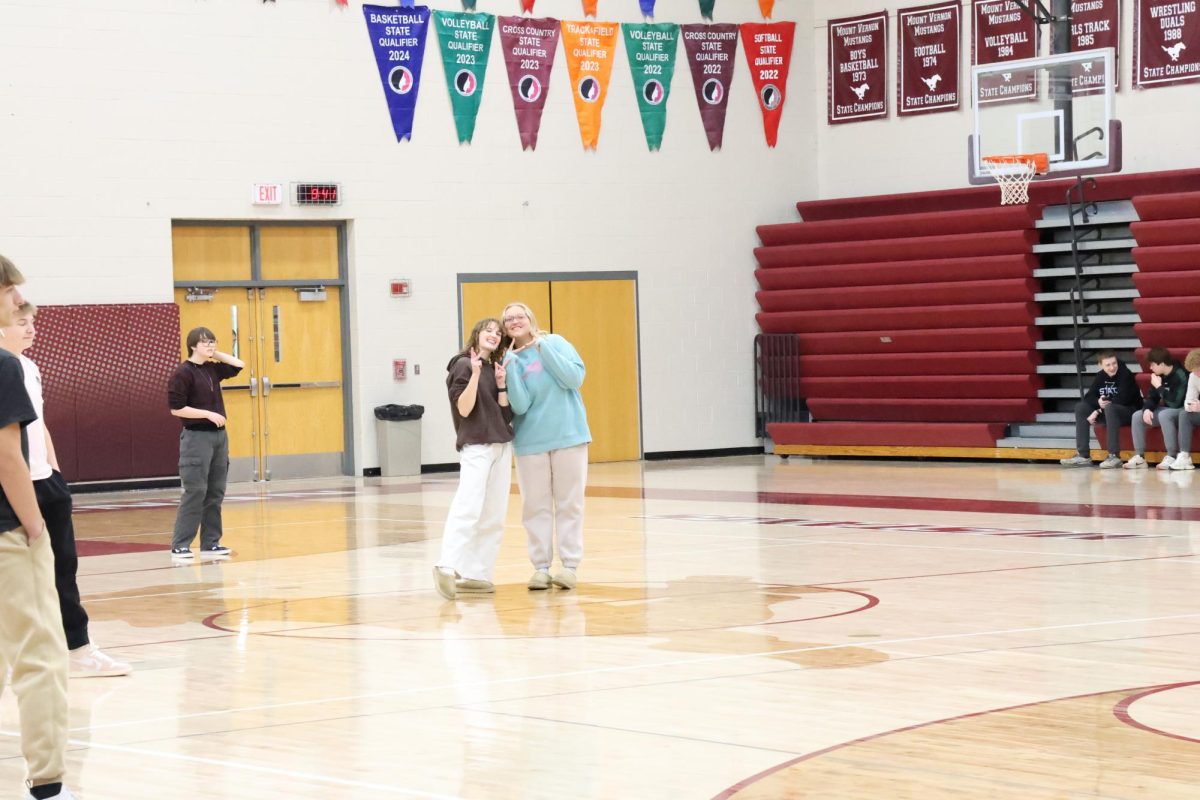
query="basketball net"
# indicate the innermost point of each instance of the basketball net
(1014, 174)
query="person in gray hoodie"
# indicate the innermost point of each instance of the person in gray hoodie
(1114, 394)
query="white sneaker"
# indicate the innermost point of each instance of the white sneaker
(1183, 461)
(443, 581)
(1137, 462)
(90, 661)
(565, 578)
(1166, 462)
(1112, 462)
(540, 580)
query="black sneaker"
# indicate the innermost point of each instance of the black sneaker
(181, 552)
(216, 551)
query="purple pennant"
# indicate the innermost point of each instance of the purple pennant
(647, 8)
(528, 45)
(711, 51)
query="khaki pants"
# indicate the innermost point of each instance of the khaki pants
(552, 486)
(33, 645)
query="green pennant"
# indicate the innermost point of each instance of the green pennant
(651, 50)
(465, 40)
(706, 8)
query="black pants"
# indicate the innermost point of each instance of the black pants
(203, 471)
(54, 501)
(1113, 415)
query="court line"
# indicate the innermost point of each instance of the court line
(675, 663)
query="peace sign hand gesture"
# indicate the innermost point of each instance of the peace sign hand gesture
(476, 362)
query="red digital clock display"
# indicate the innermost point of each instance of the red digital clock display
(318, 194)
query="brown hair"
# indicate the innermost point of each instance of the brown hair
(473, 339)
(197, 335)
(9, 274)
(1105, 354)
(1159, 355)
(26, 309)
(1192, 362)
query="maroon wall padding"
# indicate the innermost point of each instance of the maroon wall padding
(900, 225)
(1001, 362)
(923, 410)
(1154, 440)
(1166, 232)
(948, 342)
(1013, 290)
(924, 386)
(1181, 258)
(883, 319)
(1169, 334)
(1166, 284)
(1108, 187)
(897, 272)
(1168, 309)
(898, 434)
(104, 371)
(1178, 205)
(960, 245)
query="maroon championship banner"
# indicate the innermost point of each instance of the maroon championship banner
(1003, 32)
(1166, 42)
(711, 52)
(768, 47)
(858, 68)
(1094, 24)
(528, 46)
(927, 58)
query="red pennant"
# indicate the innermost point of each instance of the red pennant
(766, 7)
(768, 47)
(589, 8)
(527, 6)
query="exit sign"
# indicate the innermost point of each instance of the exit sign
(267, 194)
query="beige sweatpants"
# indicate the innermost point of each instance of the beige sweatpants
(33, 645)
(552, 487)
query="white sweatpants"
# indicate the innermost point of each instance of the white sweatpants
(475, 523)
(552, 487)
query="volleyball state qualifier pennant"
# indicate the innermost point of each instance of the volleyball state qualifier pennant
(528, 46)
(465, 40)
(651, 50)
(398, 38)
(768, 48)
(589, 48)
(711, 51)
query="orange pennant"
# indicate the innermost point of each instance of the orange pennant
(589, 48)
(766, 7)
(589, 8)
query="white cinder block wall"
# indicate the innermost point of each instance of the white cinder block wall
(929, 151)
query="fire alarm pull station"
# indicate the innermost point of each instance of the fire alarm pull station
(399, 369)
(401, 287)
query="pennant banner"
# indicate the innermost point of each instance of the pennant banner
(857, 82)
(589, 8)
(647, 7)
(529, 46)
(651, 50)
(927, 58)
(468, 5)
(466, 40)
(1166, 43)
(398, 37)
(1094, 24)
(706, 8)
(589, 48)
(1004, 32)
(711, 52)
(527, 6)
(766, 7)
(769, 53)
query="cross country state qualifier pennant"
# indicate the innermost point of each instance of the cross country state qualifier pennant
(589, 48)
(711, 52)
(465, 40)
(651, 50)
(769, 53)
(528, 46)
(398, 38)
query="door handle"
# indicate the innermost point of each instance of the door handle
(253, 386)
(266, 386)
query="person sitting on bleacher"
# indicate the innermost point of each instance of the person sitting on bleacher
(1164, 402)
(1189, 419)
(1115, 394)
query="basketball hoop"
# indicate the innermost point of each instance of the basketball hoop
(1014, 174)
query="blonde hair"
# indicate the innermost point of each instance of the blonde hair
(533, 325)
(9, 274)
(1192, 362)
(26, 309)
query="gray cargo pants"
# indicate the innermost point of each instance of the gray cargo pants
(203, 470)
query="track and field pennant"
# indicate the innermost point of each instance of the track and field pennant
(398, 38)
(768, 48)
(706, 8)
(711, 52)
(589, 48)
(528, 46)
(651, 50)
(766, 7)
(465, 40)
(647, 7)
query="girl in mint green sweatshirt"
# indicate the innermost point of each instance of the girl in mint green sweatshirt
(550, 441)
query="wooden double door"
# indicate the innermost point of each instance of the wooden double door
(272, 295)
(599, 318)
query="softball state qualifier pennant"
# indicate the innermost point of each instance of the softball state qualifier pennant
(768, 47)
(398, 38)
(589, 48)
(528, 46)
(465, 39)
(651, 50)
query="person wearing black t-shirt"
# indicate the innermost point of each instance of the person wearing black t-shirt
(194, 394)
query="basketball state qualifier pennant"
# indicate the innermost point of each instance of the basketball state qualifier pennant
(1002, 31)
(529, 46)
(768, 47)
(589, 48)
(927, 58)
(711, 52)
(858, 68)
(651, 50)
(1094, 24)
(1166, 43)
(465, 40)
(398, 37)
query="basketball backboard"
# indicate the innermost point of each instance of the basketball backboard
(1060, 105)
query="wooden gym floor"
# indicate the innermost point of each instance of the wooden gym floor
(744, 628)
